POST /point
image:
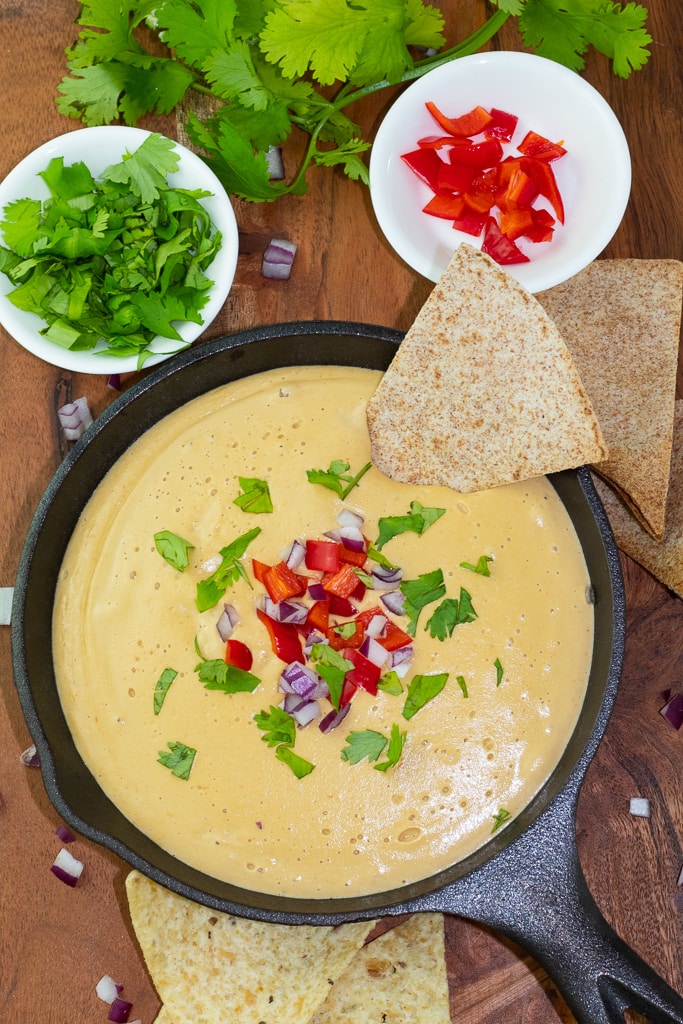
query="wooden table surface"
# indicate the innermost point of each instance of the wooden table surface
(56, 942)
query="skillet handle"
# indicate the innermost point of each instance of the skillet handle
(534, 891)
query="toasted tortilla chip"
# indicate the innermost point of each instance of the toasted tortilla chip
(621, 320)
(483, 390)
(664, 559)
(210, 968)
(399, 978)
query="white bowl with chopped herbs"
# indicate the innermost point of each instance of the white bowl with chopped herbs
(118, 248)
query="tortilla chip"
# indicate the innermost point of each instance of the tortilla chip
(399, 978)
(163, 1017)
(210, 968)
(664, 559)
(483, 390)
(621, 320)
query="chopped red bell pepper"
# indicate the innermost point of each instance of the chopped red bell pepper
(481, 195)
(542, 228)
(470, 223)
(339, 640)
(342, 607)
(238, 654)
(281, 582)
(342, 583)
(435, 141)
(348, 691)
(322, 555)
(284, 638)
(259, 569)
(393, 637)
(319, 616)
(448, 207)
(477, 154)
(519, 191)
(455, 177)
(500, 248)
(541, 173)
(515, 223)
(357, 558)
(471, 123)
(364, 672)
(541, 148)
(502, 125)
(425, 163)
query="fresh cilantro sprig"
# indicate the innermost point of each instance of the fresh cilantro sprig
(370, 744)
(332, 667)
(428, 587)
(161, 688)
(450, 613)
(217, 674)
(337, 477)
(179, 759)
(173, 549)
(230, 570)
(481, 567)
(279, 731)
(421, 690)
(276, 68)
(416, 521)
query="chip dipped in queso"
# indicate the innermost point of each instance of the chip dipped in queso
(299, 676)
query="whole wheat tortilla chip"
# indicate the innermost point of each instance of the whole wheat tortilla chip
(210, 968)
(399, 978)
(621, 320)
(664, 559)
(482, 390)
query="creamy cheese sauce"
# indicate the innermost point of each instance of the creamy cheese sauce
(123, 615)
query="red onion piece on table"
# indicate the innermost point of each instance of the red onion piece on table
(673, 710)
(278, 259)
(120, 1011)
(30, 757)
(75, 417)
(67, 868)
(107, 989)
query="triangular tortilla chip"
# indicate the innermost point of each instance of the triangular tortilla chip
(210, 968)
(400, 978)
(621, 320)
(482, 390)
(664, 559)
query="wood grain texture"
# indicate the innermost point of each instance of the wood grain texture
(55, 942)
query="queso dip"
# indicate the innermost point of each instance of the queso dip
(123, 615)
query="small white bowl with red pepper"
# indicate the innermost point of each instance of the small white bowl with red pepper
(510, 152)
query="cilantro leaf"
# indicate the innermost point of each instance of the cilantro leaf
(144, 171)
(450, 613)
(216, 674)
(299, 765)
(332, 666)
(482, 566)
(428, 587)
(417, 521)
(421, 690)
(211, 589)
(499, 671)
(460, 680)
(391, 683)
(397, 741)
(162, 687)
(499, 818)
(255, 496)
(277, 726)
(179, 759)
(173, 549)
(367, 743)
(337, 477)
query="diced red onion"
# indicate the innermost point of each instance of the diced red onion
(393, 601)
(680, 878)
(314, 637)
(673, 710)
(386, 579)
(276, 166)
(402, 655)
(227, 621)
(350, 536)
(66, 867)
(75, 417)
(299, 679)
(107, 989)
(316, 592)
(375, 626)
(294, 554)
(374, 652)
(114, 381)
(347, 517)
(302, 711)
(30, 757)
(120, 1011)
(294, 612)
(278, 259)
(63, 833)
(322, 691)
(334, 718)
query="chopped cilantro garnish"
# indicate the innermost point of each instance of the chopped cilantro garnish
(482, 566)
(337, 477)
(299, 765)
(460, 680)
(499, 671)
(162, 686)
(255, 497)
(279, 731)
(173, 549)
(417, 521)
(421, 690)
(179, 759)
(211, 589)
(428, 587)
(500, 818)
(332, 667)
(216, 674)
(451, 613)
(370, 744)
(390, 683)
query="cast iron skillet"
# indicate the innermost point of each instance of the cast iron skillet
(526, 882)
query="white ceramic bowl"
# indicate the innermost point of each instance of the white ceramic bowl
(594, 178)
(98, 148)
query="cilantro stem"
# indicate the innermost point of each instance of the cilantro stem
(357, 478)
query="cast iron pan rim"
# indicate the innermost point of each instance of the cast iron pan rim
(265, 906)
